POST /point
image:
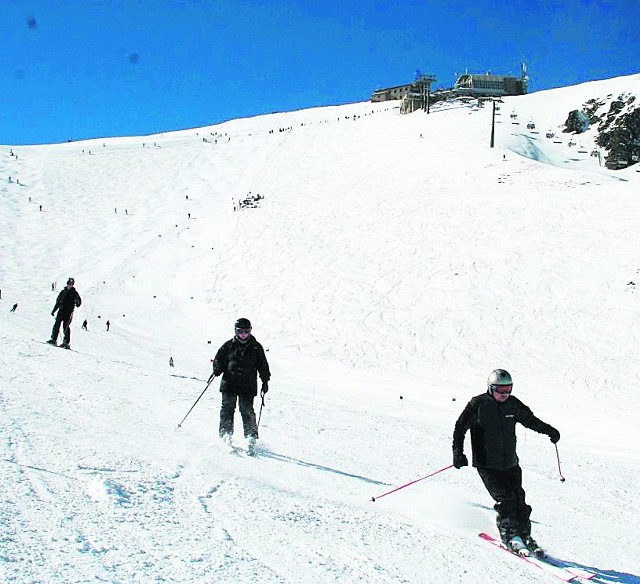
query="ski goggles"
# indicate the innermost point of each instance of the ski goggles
(243, 331)
(504, 389)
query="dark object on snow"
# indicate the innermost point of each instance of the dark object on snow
(618, 129)
(251, 201)
(13, 308)
(577, 122)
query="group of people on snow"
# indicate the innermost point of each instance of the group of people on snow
(491, 418)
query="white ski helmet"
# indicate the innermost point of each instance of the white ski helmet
(499, 377)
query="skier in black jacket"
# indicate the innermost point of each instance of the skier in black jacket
(66, 302)
(239, 361)
(492, 418)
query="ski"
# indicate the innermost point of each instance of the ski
(239, 450)
(57, 346)
(559, 572)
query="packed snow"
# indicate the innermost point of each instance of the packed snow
(388, 265)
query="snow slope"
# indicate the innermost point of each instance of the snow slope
(392, 264)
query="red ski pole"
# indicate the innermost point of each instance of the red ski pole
(411, 483)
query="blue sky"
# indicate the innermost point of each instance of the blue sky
(75, 69)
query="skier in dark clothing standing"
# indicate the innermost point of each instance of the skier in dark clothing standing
(66, 302)
(492, 418)
(240, 360)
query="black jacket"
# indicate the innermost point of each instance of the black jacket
(239, 364)
(67, 300)
(493, 430)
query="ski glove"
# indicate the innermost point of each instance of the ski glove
(265, 387)
(553, 434)
(460, 460)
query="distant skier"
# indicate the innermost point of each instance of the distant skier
(492, 418)
(13, 308)
(84, 324)
(67, 301)
(170, 361)
(239, 361)
(108, 325)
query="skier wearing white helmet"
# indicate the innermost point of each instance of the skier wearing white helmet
(492, 417)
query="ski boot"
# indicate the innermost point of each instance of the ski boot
(51, 342)
(517, 546)
(65, 346)
(533, 546)
(251, 446)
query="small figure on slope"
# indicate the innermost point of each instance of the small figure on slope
(492, 418)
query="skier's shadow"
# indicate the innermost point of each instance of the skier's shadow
(600, 576)
(282, 458)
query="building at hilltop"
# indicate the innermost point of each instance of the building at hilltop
(391, 93)
(467, 85)
(489, 85)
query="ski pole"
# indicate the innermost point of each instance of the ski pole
(261, 404)
(411, 483)
(562, 479)
(194, 404)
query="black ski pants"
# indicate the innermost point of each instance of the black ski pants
(65, 321)
(505, 486)
(228, 409)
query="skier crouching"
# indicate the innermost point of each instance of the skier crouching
(492, 418)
